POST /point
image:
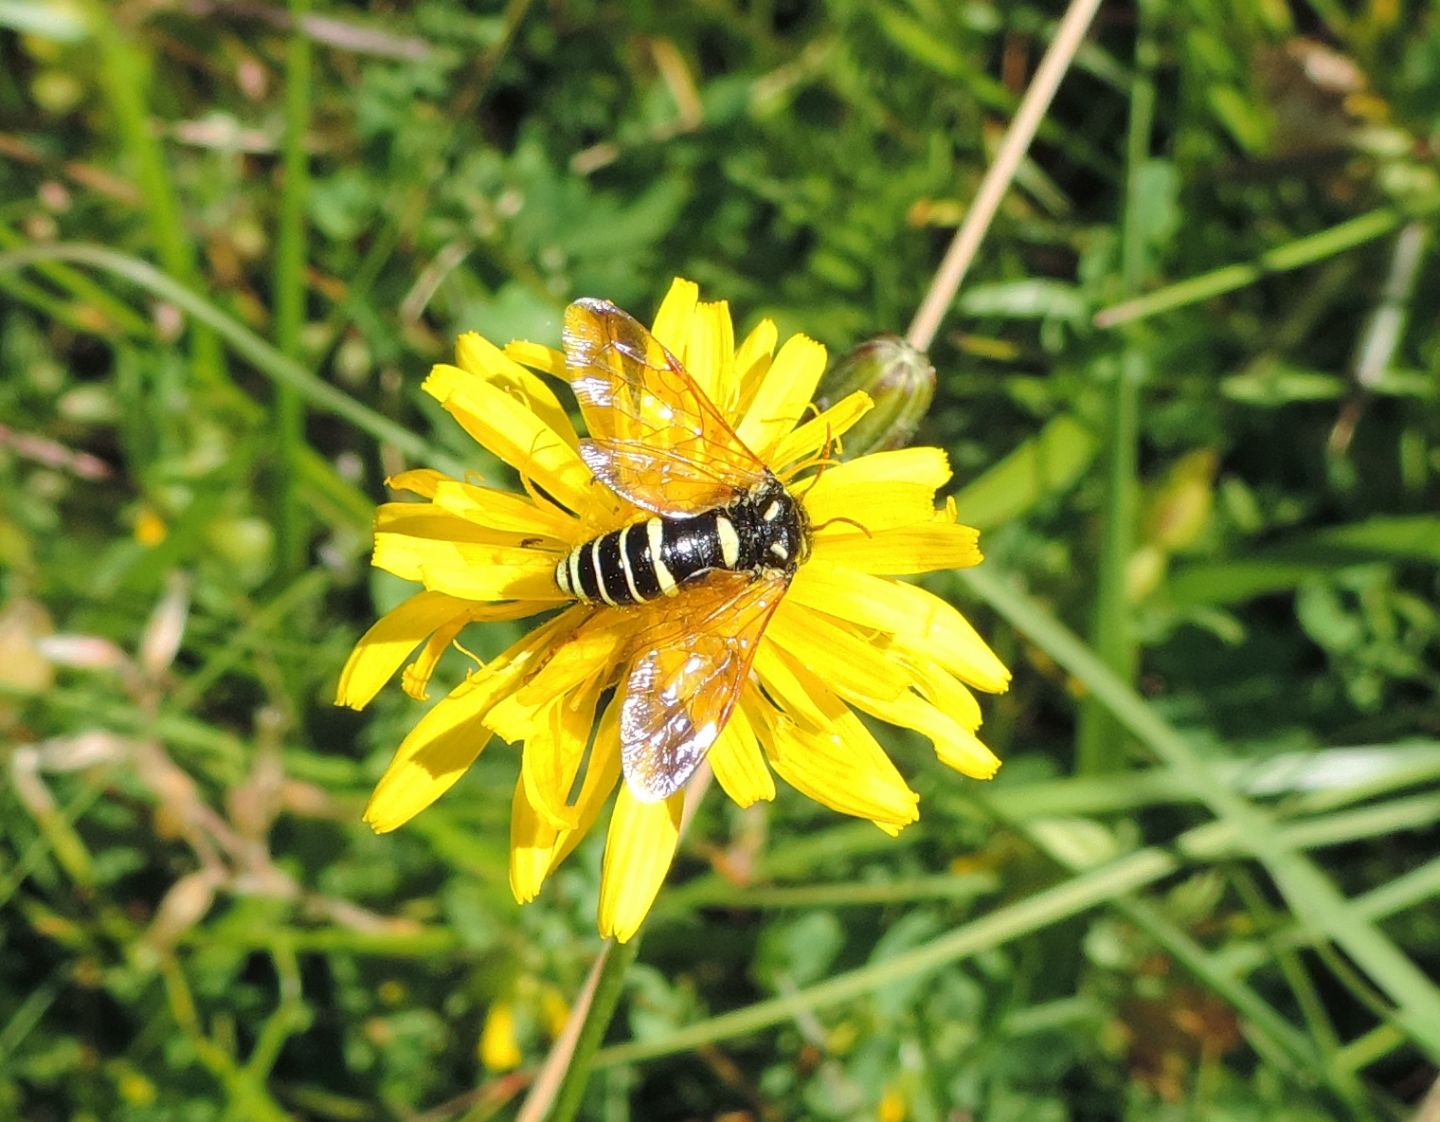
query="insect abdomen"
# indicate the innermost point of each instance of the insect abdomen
(645, 559)
(763, 529)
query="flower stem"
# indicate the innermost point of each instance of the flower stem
(558, 1088)
(608, 986)
(1038, 96)
(560, 1084)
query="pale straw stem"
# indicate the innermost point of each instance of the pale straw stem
(1033, 105)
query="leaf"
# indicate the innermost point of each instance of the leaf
(1285, 565)
(1045, 465)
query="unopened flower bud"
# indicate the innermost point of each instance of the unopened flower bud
(898, 378)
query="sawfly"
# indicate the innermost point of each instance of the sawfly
(723, 540)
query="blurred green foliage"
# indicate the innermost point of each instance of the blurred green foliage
(194, 924)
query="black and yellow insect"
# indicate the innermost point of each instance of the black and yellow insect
(709, 566)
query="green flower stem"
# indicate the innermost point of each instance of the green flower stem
(608, 988)
(1403, 892)
(290, 1016)
(709, 892)
(47, 844)
(1319, 1028)
(1311, 895)
(28, 1013)
(247, 1097)
(560, 1084)
(1375, 1045)
(45, 302)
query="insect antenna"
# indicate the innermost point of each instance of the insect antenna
(820, 461)
(539, 496)
(841, 518)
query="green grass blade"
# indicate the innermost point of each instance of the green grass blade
(124, 74)
(1296, 254)
(290, 290)
(1311, 895)
(265, 358)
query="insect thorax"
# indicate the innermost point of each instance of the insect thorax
(771, 526)
(763, 530)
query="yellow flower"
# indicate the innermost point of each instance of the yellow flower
(499, 1046)
(845, 636)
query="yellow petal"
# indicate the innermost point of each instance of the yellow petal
(591, 647)
(638, 851)
(923, 465)
(752, 363)
(554, 750)
(596, 644)
(417, 675)
(512, 431)
(554, 1010)
(968, 755)
(426, 520)
(419, 481)
(532, 847)
(672, 321)
(842, 768)
(943, 690)
(881, 491)
(537, 356)
(434, 756)
(907, 549)
(470, 570)
(814, 710)
(738, 763)
(553, 714)
(893, 1106)
(602, 772)
(811, 438)
(524, 578)
(709, 355)
(783, 396)
(918, 621)
(875, 678)
(385, 646)
(480, 357)
(507, 512)
(835, 654)
(954, 744)
(864, 783)
(447, 739)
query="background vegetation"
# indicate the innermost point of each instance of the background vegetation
(1191, 390)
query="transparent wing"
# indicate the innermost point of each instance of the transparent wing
(690, 665)
(655, 438)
